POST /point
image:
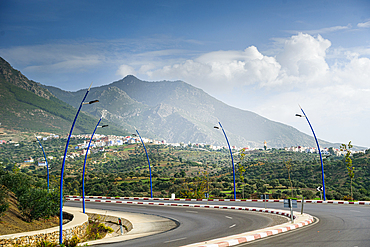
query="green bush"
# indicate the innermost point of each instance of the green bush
(4, 205)
(37, 203)
(96, 229)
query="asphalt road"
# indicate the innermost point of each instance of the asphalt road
(196, 224)
(338, 225)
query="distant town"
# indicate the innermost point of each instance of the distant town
(100, 141)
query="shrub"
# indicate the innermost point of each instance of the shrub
(96, 229)
(67, 243)
(4, 205)
(308, 194)
(35, 203)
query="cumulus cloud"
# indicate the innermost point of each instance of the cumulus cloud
(222, 70)
(364, 24)
(302, 59)
(125, 70)
(304, 56)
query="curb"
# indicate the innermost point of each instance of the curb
(218, 200)
(253, 235)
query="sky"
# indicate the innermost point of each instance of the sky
(269, 57)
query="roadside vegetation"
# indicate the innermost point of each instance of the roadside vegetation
(191, 172)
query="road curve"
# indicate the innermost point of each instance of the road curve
(339, 225)
(196, 224)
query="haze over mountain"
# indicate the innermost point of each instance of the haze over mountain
(178, 112)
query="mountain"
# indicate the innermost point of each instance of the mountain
(27, 106)
(178, 112)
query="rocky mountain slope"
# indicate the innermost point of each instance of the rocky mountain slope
(178, 112)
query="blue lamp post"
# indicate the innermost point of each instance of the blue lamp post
(318, 148)
(231, 154)
(64, 160)
(46, 161)
(83, 173)
(150, 169)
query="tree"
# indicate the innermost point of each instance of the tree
(197, 188)
(288, 166)
(4, 205)
(274, 183)
(241, 170)
(348, 161)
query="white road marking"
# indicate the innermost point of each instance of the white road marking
(229, 217)
(355, 211)
(195, 212)
(232, 226)
(169, 241)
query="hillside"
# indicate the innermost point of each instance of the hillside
(12, 221)
(28, 107)
(178, 112)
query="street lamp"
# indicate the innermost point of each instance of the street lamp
(150, 169)
(46, 161)
(318, 147)
(231, 154)
(83, 173)
(64, 161)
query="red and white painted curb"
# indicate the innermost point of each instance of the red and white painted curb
(250, 236)
(217, 200)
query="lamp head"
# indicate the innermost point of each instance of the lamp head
(90, 102)
(298, 115)
(216, 127)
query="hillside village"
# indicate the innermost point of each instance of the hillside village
(99, 143)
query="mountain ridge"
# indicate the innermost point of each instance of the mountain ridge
(178, 112)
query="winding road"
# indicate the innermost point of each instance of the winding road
(196, 224)
(337, 225)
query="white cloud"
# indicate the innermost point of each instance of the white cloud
(323, 30)
(55, 58)
(302, 60)
(125, 70)
(364, 24)
(304, 55)
(329, 29)
(222, 70)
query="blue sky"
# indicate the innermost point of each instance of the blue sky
(263, 56)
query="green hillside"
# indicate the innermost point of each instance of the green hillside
(27, 107)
